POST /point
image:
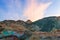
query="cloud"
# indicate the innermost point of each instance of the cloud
(35, 11)
(55, 14)
(31, 10)
(13, 10)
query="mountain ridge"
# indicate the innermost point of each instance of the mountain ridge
(46, 24)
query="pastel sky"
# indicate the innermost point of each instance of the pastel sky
(28, 9)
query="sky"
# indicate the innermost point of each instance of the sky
(28, 9)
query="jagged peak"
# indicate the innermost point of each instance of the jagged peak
(29, 21)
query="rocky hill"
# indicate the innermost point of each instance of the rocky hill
(29, 28)
(47, 24)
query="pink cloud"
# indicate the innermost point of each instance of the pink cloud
(35, 11)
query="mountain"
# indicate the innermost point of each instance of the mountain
(11, 24)
(48, 23)
(29, 28)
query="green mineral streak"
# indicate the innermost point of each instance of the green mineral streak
(6, 33)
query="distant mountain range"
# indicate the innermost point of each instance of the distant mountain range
(46, 24)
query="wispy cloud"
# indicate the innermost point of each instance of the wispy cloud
(34, 11)
(15, 10)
